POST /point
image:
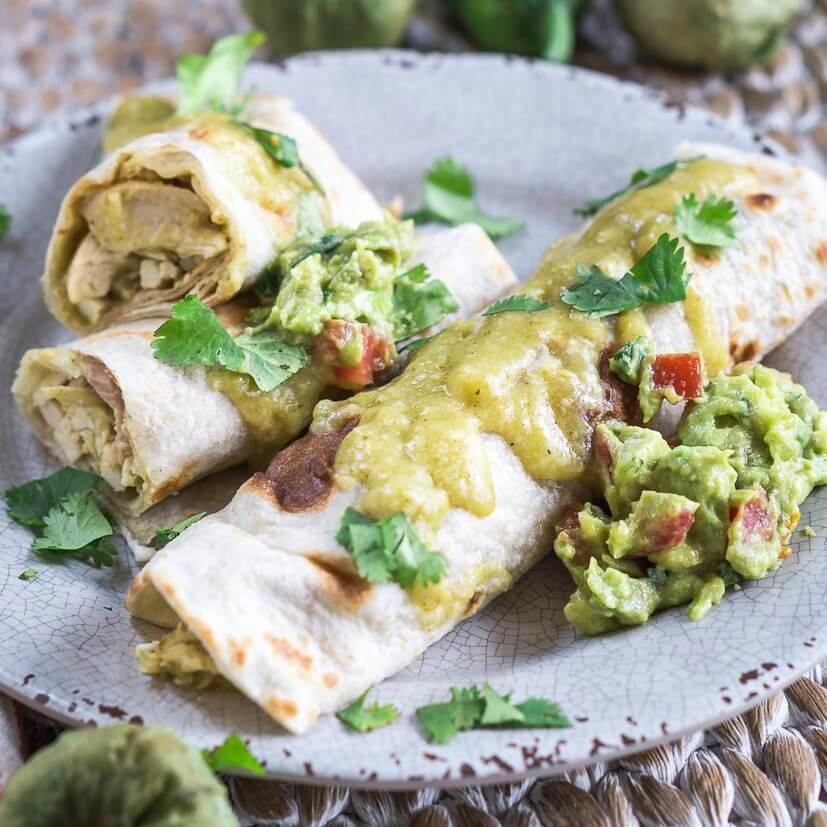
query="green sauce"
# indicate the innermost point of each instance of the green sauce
(527, 377)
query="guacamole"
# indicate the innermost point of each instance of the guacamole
(345, 274)
(683, 522)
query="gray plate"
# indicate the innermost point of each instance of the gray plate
(538, 138)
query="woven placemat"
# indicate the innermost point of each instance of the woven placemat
(765, 768)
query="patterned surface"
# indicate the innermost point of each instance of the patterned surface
(68, 643)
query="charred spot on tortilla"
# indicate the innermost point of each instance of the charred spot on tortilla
(620, 397)
(280, 708)
(821, 253)
(345, 587)
(743, 351)
(284, 649)
(330, 680)
(761, 200)
(301, 476)
(238, 651)
(473, 603)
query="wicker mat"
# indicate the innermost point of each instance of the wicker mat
(767, 767)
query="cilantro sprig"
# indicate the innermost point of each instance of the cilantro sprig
(210, 83)
(5, 221)
(27, 575)
(62, 511)
(471, 709)
(448, 192)
(389, 549)
(419, 301)
(361, 718)
(711, 224)
(163, 536)
(659, 277)
(233, 754)
(195, 336)
(640, 179)
(525, 304)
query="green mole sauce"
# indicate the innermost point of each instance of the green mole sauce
(274, 418)
(526, 377)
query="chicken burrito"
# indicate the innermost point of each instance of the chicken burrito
(110, 405)
(201, 204)
(407, 508)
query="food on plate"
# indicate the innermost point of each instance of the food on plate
(199, 200)
(408, 507)
(719, 35)
(330, 24)
(448, 193)
(329, 315)
(684, 521)
(197, 207)
(116, 775)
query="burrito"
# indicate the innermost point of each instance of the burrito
(407, 508)
(106, 404)
(198, 206)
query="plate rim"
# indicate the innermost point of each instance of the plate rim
(89, 117)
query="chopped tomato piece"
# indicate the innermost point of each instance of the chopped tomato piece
(755, 518)
(680, 371)
(354, 352)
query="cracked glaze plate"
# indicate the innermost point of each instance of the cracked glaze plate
(538, 138)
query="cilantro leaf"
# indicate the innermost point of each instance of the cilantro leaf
(416, 344)
(498, 709)
(29, 503)
(640, 179)
(27, 574)
(627, 360)
(659, 277)
(194, 336)
(709, 224)
(526, 304)
(363, 719)
(442, 721)
(448, 192)
(328, 243)
(233, 754)
(281, 148)
(77, 527)
(75, 522)
(538, 712)
(269, 359)
(211, 82)
(468, 709)
(167, 535)
(419, 301)
(5, 221)
(389, 549)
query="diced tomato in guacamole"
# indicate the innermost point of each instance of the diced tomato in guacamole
(681, 372)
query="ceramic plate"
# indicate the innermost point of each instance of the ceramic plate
(538, 138)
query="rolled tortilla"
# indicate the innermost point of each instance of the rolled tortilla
(105, 404)
(198, 207)
(483, 442)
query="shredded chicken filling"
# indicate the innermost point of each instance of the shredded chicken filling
(85, 417)
(143, 235)
(180, 656)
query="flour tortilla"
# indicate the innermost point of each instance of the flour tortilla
(105, 404)
(275, 600)
(241, 207)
